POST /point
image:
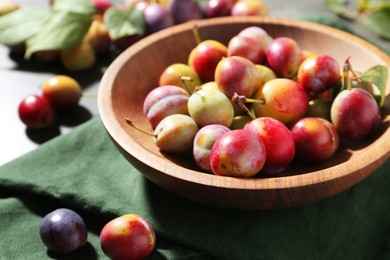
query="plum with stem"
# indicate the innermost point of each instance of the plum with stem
(354, 112)
(282, 99)
(174, 134)
(173, 75)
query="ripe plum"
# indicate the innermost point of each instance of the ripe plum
(63, 231)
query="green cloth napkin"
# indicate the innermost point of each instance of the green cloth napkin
(83, 170)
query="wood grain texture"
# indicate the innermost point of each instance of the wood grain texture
(136, 71)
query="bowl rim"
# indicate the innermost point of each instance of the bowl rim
(176, 171)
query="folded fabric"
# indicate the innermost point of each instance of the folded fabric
(83, 170)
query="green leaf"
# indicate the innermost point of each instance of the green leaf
(336, 6)
(379, 21)
(363, 5)
(329, 21)
(377, 75)
(124, 22)
(18, 26)
(377, 3)
(63, 30)
(75, 6)
(342, 8)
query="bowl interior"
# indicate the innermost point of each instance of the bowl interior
(136, 71)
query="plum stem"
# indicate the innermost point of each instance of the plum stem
(89, 94)
(240, 100)
(347, 69)
(130, 122)
(195, 32)
(251, 100)
(184, 80)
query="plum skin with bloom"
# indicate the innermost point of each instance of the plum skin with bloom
(316, 139)
(284, 99)
(63, 92)
(35, 112)
(318, 73)
(210, 106)
(218, 8)
(284, 57)
(129, 236)
(205, 57)
(185, 10)
(259, 34)
(355, 113)
(278, 142)
(237, 75)
(247, 47)
(175, 133)
(203, 143)
(237, 153)
(63, 231)
(157, 17)
(164, 101)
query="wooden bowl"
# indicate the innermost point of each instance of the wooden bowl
(136, 71)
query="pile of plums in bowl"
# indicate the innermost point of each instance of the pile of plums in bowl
(227, 156)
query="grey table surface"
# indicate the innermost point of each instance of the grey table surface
(20, 78)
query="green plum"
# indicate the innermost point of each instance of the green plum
(210, 106)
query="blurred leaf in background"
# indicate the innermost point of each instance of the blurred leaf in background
(63, 30)
(374, 13)
(18, 26)
(124, 22)
(343, 8)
